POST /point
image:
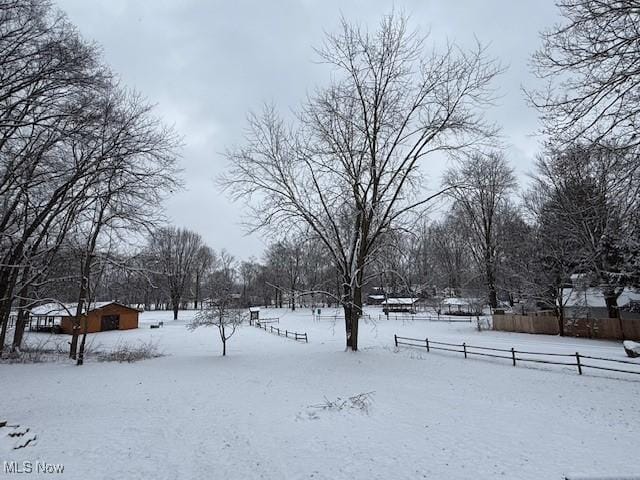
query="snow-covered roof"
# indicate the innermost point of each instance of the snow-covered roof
(254, 309)
(65, 309)
(593, 297)
(400, 301)
(376, 297)
(460, 301)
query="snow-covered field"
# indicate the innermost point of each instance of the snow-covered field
(193, 414)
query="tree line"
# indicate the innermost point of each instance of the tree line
(85, 165)
(84, 162)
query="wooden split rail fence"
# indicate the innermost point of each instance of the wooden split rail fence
(280, 332)
(576, 360)
(336, 317)
(264, 321)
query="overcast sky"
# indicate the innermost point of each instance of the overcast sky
(207, 63)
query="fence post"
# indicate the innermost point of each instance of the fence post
(286, 333)
(578, 364)
(464, 347)
(513, 356)
(306, 340)
(426, 340)
(395, 339)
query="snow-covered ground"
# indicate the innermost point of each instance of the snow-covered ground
(193, 414)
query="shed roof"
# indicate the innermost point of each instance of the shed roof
(400, 301)
(460, 301)
(69, 309)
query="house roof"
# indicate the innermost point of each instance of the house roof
(460, 301)
(400, 301)
(593, 297)
(254, 309)
(376, 297)
(69, 309)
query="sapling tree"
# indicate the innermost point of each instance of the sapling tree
(222, 312)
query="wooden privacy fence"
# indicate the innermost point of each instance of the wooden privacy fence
(428, 318)
(576, 360)
(282, 333)
(602, 328)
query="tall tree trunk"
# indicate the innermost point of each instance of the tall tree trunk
(224, 340)
(21, 320)
(8, 278)
(195, 302)
(83, 342)
(352, 305)
(611, 301)
(491, 288)
(560, 310)
(82, 300)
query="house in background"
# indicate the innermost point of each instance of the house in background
(100, 317)
(588, 302)
(376, 296)
(375, 299)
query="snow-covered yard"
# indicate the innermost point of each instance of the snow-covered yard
(255, 414)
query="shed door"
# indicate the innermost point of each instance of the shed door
(110, 322)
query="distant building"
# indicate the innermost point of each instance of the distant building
(589, 302)
(461, 306)
(399, 305)
(100, 317)
(254, 313)
(375, 299)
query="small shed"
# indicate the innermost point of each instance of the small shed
(399, 305)
(254, 313)
(99, 317)
(461, 306)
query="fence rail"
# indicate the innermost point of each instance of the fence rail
(282, 333)
(429, 318)
(337, 317)
(572, 359)
(264, 321)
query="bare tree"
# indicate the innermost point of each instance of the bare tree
(349, 172)
(47, 73)
(175, 251)
(589, 210)
(137, 154)
(450, 254)
(223, 309)
(480, 188)
(591, 64)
